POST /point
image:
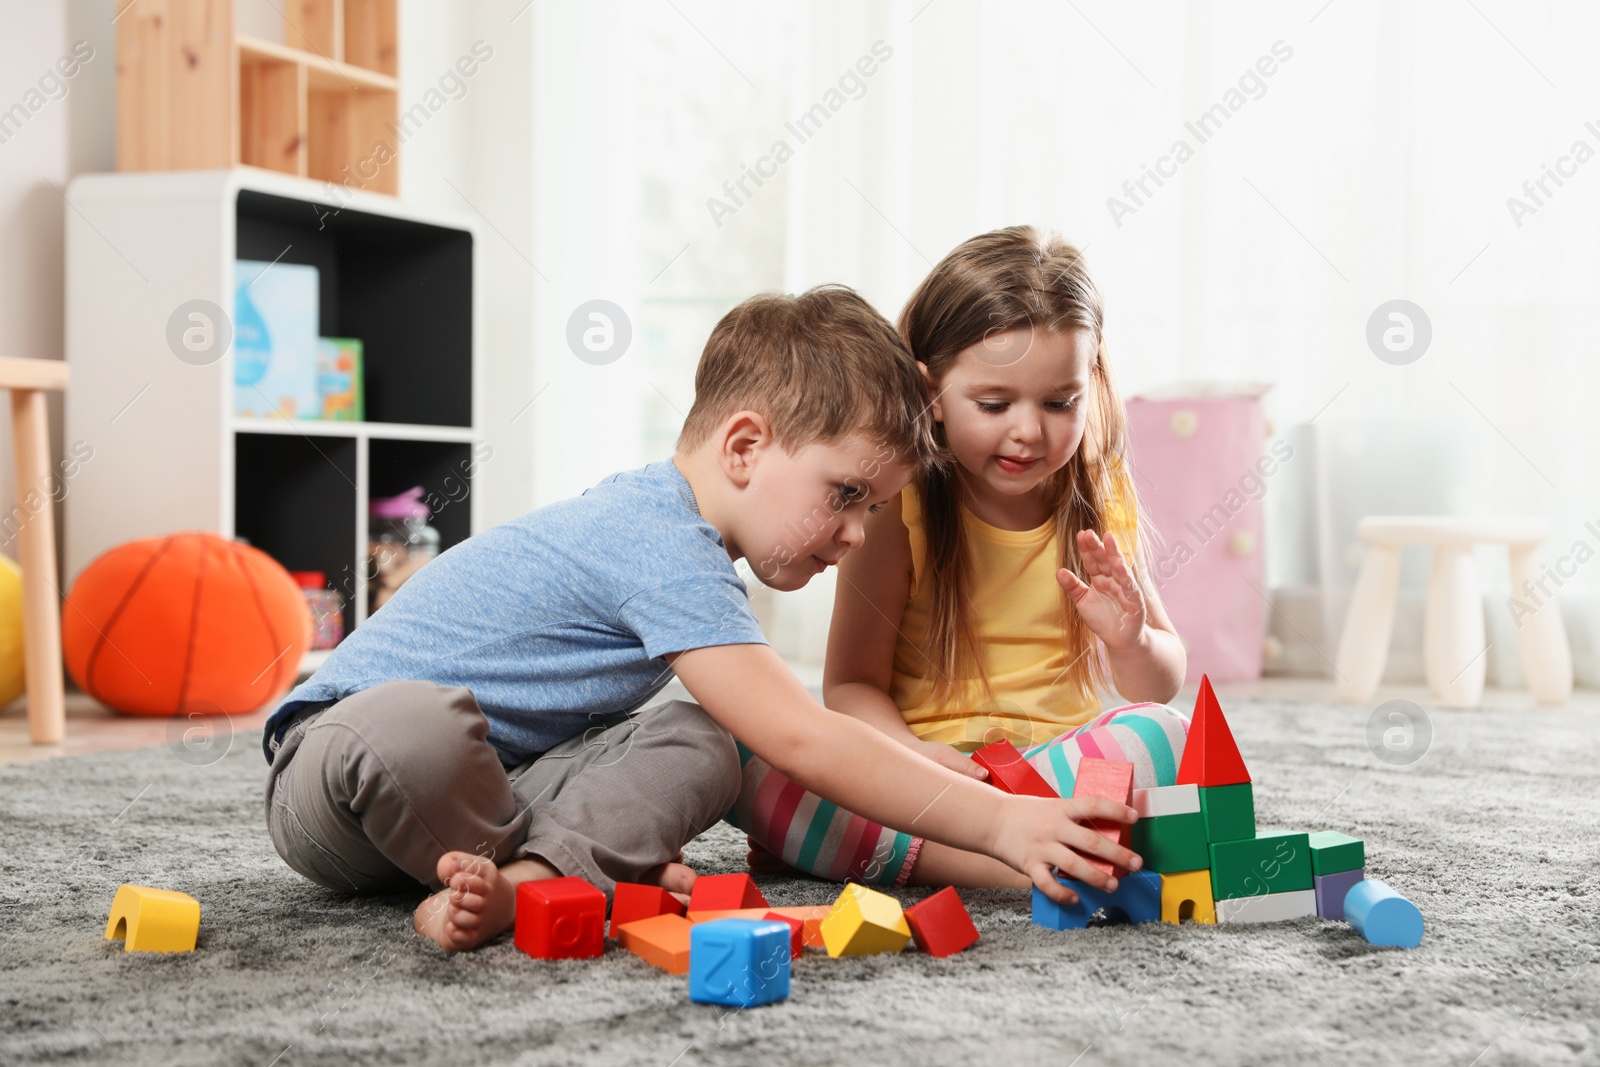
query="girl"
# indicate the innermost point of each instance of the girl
(985, 603)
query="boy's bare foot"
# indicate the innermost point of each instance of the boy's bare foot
(479, 900)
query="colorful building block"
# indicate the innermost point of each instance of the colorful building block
(631, 901)
(1112, 779)
(153, 920)
(725, 892)
(1331, 890)
(1172, 842)
(1137, 899)
(812, 918)
(797, 932)
(940, 924)
(1167, 800)
(740, 963)
(1268, 908)
(1187, 895)
(560, 919)
(1383, 916)
(661, 941)
(1010, 773)
(1210, 756)
(1229, 812)
(1265, 864)
(864, 922)
(1335, 853)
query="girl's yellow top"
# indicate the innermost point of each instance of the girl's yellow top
(1016, 607)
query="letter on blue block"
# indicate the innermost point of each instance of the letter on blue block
(1383, 916)
(741, 963)
(1138, 898)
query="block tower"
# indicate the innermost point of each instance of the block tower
(1199, 837)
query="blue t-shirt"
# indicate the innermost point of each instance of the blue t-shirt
(557, 620)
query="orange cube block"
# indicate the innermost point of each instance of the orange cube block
(812, 918)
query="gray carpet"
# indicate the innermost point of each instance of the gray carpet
(1492, 834)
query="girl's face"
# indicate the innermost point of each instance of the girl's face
(1013, 407)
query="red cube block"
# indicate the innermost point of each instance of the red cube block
(1112, 779)
(725, 892)
(560, 919)
(941, 924)
(630, 901)
(797, 930)
(1010, 773)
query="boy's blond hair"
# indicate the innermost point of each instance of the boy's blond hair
(820, 366)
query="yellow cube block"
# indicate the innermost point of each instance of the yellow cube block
(865, 922)
(154, 920)
(1187, 887)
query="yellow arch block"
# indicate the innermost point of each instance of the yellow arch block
(864, 922)
(1187, 887)
(154, 920)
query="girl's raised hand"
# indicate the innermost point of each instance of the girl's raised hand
(1111, 603)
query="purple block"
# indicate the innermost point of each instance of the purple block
(1331, 889)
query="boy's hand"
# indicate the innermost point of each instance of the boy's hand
(945, 756)
(1111, 604)
(1038, 834)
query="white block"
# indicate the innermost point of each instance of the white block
(1271, 908)
(1167, 800)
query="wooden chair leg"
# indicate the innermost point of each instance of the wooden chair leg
(41, 606)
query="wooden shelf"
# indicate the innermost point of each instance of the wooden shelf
(323, 73)
(388, 431)
(192, 93)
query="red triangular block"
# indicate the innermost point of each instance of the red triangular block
(1010, 773)
(1210, 756)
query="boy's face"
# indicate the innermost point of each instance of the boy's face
(803, 510)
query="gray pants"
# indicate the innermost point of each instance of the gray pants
(368, 794)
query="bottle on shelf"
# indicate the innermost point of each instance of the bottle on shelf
(399, 542)
(327, 608)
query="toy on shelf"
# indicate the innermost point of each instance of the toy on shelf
(865, 922)
(1205, 860)
(1010, 773)
(560, 919)
(740, 963)
(153, 920)
(940, 924)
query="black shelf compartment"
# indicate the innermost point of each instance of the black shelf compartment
(295, 499)
(403, 288)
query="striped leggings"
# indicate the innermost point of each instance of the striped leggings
(817, 837)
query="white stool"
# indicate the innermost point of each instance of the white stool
(1453, 639)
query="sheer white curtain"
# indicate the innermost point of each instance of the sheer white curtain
(1335, 156)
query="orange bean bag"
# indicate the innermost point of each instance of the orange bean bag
(190, 623)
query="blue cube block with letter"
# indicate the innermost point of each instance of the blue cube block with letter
(742, 963)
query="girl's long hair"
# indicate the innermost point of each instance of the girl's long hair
(1008, 279)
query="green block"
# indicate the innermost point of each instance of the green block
(1267, 863)
(1229, 811)
(1333, 852)
(1171, 843)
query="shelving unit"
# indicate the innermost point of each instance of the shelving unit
(169, 452)
(194, 92)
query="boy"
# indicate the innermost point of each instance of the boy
(484, 728)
